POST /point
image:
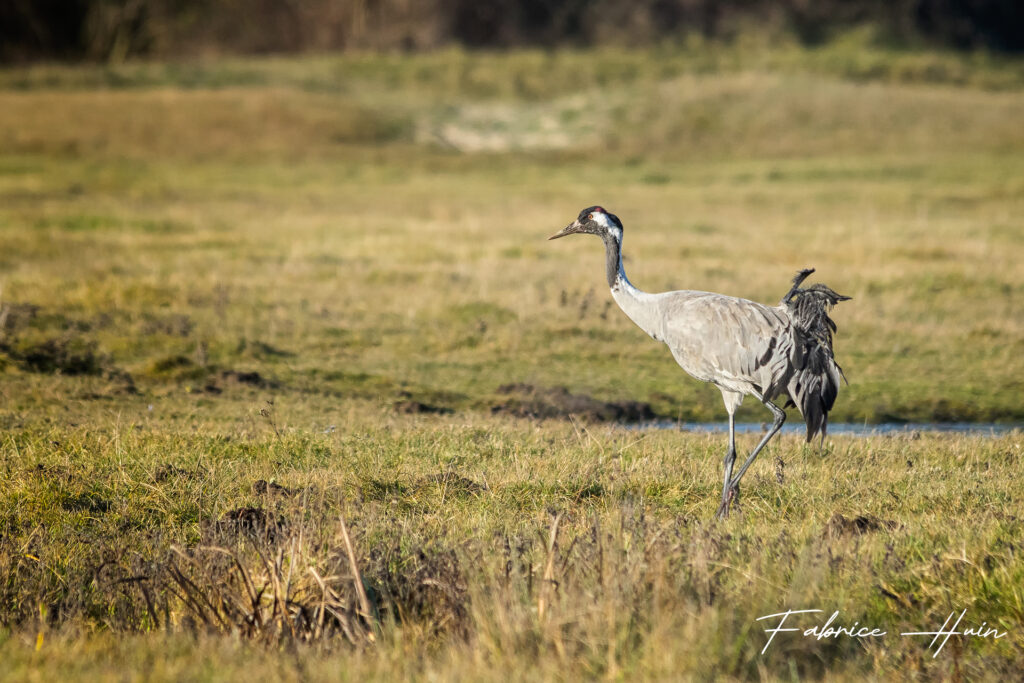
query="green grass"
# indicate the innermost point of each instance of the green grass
(646, 584)
(325, 273)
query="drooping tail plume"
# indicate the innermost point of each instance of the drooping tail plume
(815, 382)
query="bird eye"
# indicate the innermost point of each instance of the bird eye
(590, 216)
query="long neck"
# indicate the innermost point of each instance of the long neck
(639, 306)
(613, 260)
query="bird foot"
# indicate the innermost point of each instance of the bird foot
(731, 498)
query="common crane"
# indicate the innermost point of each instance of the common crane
(740, 346)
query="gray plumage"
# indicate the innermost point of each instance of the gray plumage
(742, 347)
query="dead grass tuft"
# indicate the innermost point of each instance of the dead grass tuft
(527, 400)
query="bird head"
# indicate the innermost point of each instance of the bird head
(595, 221)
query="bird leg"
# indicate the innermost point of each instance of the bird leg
(780, 417)
(730, 459)
(730, 500)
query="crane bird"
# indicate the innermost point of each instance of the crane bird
(740, 346)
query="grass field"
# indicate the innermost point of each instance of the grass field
(245, 300)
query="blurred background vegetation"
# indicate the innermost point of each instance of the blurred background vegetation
(118, 29)
(395, 181)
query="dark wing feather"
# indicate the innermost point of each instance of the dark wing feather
(814, 385)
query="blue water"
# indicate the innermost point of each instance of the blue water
(843, 428)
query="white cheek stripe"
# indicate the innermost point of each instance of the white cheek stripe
(602, 219)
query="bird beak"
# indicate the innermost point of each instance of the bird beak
(573, 227)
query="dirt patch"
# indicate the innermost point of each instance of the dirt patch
(183, 368)
(254, 522)
(168, 472)
(85, 502)
(839, 525)
(59, 355)
(411, 407)
(253, 378)
(453, 483)
(214, 381)
(67, 354)
(262, 487)
(527, 400)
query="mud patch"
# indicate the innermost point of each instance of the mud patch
(839, 525)
(253, 378)
(527, 400)
(410, 407)
(49, 343)
(262, 487)
(168, 472)
(59, 355)
(85, 502)
(67, 355)
(182, 368)
(452, 483)
(254, 522)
